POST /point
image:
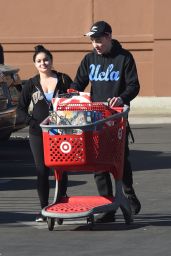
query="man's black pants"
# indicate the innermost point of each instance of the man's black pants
(103, 179)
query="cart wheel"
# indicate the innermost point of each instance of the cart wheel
(60, 221)
(51, 223)
(90, 222)
(127, 216)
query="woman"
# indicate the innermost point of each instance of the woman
(39, 91)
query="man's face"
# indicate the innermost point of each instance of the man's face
(102, 44)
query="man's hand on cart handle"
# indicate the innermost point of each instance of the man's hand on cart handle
(115, 102)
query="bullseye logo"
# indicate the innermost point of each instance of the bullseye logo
(65, 147)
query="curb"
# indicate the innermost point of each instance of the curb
(150, 110)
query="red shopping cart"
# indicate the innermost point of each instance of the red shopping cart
(91, 147)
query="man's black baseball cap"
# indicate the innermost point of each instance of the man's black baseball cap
(99, 28)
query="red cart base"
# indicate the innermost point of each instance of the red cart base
(69, 206)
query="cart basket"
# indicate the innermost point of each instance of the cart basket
(97, 146)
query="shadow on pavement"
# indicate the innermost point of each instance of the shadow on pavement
(155, 219)
(28, 184)
(21, 161)
(140, 221)
(14, 217)
(149, 160)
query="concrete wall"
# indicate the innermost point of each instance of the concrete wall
(142, 26)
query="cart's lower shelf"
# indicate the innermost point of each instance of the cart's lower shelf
(78, 204)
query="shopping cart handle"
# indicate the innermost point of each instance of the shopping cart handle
(45, 124)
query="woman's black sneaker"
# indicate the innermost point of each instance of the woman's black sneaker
(40, 218)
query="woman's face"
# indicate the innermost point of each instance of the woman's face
(43, 63)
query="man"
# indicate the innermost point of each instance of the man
(111, 70)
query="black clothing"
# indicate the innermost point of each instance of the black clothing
(36, 145)
(103, 180)
(111, 75)
(32, 92)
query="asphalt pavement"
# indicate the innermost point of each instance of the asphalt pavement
(148, 235)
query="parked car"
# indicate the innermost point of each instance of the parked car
(10, 88)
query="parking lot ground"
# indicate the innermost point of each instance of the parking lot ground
(148, 235)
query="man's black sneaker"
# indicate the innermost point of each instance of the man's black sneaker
(40, 218)
(106, 218)
(134, 202)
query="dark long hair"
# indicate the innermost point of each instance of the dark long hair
(40, 48)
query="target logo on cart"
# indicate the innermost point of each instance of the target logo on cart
(65, 147)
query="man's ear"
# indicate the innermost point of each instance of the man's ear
(109, 35)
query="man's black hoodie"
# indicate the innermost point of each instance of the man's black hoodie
(111, 75)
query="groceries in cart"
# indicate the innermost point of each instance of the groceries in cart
(72, 117)
(72, 96)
